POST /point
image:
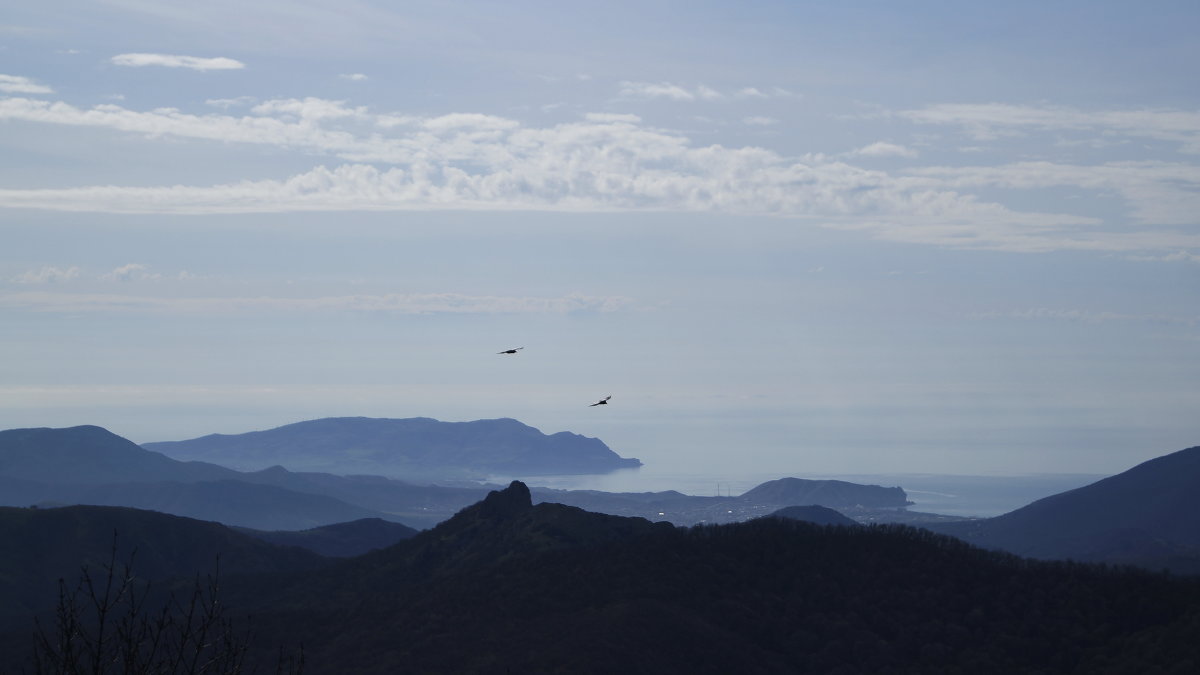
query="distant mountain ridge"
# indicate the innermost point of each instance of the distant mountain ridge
(1142, 517)
(1146, 516)
(91, 465)
(89, 454)
(416, 447)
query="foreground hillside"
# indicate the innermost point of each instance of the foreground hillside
(507, 586)
(1145, 516)
(41, 546)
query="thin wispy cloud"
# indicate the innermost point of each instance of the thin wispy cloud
(668, 90)
(131, 272)
(884, 149)
(395, 303)
(17, 84)
(697, 92)
(47, 275)
(139, 60)
(759, 121)
(227, 103)
(1089, 316)
(990, 121)
(354, 77)
(1158, 193)
(1177, 256)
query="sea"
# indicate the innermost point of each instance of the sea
(952, 495)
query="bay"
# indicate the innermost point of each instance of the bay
(949, 494)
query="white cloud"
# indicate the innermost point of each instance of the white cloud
(884, 149)
(611, 162)
(755, 92)
(130, 272)
(177, 61)
(16, 84)
(308, 109)
(758, 121)
(394, 303)
(47, 275)
(750, 92)
(667, 90)
(354, 77)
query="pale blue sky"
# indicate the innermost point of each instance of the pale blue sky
(794, 237)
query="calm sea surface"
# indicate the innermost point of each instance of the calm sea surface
(948, 494)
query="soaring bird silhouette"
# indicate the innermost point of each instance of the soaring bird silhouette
(511, 351)
(603, 401)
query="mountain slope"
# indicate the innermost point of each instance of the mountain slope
(404, 448)
(817, 515)
(89, 455)
(231, 502)
(506, 586)
(90, 465)
(44, 545)
(1145, 516)
(340, 540)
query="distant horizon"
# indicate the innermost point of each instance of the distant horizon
(672, 464)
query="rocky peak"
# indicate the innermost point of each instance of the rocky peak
(511, 500)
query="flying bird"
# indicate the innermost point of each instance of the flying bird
(510, 351)
(603, 401)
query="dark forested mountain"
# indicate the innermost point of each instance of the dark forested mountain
(40, 546)
(341, 540)
(817, 515)
(508, 586)
(419, 506)
(1146, 516)
(404, 448)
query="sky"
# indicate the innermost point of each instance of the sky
(796, 237)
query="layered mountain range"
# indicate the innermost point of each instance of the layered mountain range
(90, 465)
(1140, 517)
